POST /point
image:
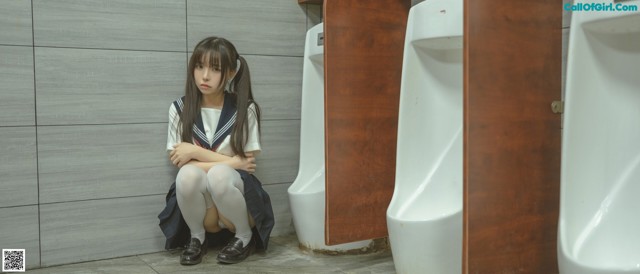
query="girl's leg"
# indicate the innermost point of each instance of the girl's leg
(191, 187)
(227, 189)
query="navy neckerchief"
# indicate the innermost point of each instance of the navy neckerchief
(225, 124)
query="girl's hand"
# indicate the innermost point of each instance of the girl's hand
(182, 153)
(247, 164)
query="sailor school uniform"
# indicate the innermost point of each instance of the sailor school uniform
(212, 130)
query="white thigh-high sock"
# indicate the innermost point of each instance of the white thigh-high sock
(227, 190)
(191, 186)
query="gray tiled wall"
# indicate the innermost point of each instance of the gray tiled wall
(90, 86)
(19, 177)
(276, 27)
(15, 19)
(96, 229)
(18, 162)
(131, 162)
(130, 25)
(17, 107)
(85, 87)
(19, 229)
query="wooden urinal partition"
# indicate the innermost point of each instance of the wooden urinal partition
(363, 47)
(512, 73)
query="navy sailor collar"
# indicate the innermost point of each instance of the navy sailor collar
(225, 124)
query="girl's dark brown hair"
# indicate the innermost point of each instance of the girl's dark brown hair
(220, 53)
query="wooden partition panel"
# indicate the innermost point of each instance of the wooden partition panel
(512, 73)
(364, 42)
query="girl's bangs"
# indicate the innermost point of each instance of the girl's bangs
(207, 57)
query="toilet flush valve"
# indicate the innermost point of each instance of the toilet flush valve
(557, 107)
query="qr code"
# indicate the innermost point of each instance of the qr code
(13, 260)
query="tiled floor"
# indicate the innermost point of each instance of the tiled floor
(283, 256)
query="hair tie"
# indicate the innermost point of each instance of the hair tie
(229, 86)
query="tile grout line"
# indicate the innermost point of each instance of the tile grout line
(186, 45)
(130, 123)
(132, 196)
(97, 124)
(105, 198)
(35, 119)
(186, 32)
(145, 50)
(106, 49)
(142, 50)
(144, 262)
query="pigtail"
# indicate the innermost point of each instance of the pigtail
(244, 98)
(191, 108)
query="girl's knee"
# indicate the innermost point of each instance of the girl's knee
(221, 172)
(220, 179)
(189, 178)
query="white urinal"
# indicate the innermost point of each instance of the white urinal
(599, 226)
(425, 215)
(307, 193)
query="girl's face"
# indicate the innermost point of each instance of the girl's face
(207, 77)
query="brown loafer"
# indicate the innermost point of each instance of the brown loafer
(194, 252)
(234, 252)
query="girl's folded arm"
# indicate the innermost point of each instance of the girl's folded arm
(236, 162)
